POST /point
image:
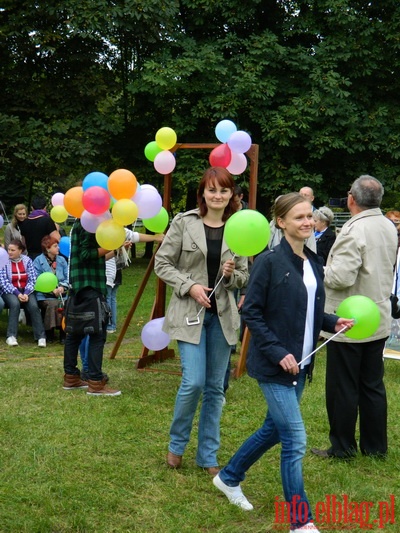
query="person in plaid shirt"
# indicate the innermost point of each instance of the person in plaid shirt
(87, 269)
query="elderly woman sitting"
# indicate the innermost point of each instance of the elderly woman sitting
(51, 303)
(324, 234)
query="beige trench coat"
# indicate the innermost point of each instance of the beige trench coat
(361, 262)
(181, 262)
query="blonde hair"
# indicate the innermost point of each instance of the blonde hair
(18, 207)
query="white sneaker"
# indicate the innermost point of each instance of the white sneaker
(12, 341)
(307, 527)
(42, 343)
(234, 494)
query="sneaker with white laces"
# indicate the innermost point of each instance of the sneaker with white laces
(12, 341)
(234, 494)
(307, 527)
(42, 343)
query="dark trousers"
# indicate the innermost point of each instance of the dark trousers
(354, 386)
(95, 354)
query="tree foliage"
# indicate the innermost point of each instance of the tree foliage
(87, 84)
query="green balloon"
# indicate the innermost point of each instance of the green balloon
(247, 232)
(158, 223)
(151, 150)
(46, 282)
(365, 313)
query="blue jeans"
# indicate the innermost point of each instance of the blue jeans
(283, 424)
(32, 307)
(84, 352)
(112, 302)
(203, 371)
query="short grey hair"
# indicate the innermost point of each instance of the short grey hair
(367, 192)
(324, 214)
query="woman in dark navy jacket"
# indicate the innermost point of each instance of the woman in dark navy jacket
(284, 310)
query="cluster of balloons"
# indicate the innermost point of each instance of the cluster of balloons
(158, 151)
(105, 204)
(230, 154)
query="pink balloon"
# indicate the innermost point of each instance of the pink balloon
(96, 200)
(148, 201)
(237, 165)
(164, 162)
(220, 156)
(153, 337)
(57, 199)
(239, 142)
(91, 222)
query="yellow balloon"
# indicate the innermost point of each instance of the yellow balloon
(166, 138)
(59, 214)
(110, 235)
(125, 212)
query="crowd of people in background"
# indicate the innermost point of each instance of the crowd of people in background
(307, 257)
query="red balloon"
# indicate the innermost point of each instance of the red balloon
(96, 200)
(221, 156)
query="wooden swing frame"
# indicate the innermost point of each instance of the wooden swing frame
(158, 310)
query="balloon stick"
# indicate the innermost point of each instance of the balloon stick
(194, 321)
(321, 346)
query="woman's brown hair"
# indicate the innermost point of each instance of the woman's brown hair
(216, 176)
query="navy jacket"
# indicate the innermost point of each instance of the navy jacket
(275, 310)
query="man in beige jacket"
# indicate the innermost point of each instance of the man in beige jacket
(360, 262)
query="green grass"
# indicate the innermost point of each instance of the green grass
(74, 463)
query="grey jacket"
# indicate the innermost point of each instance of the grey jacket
(181, 262)
(361, 262)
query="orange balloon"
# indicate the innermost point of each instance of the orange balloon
(73, 201)
(121, 184)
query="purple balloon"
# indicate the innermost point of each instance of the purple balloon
(3, 257)
(153, 337)
(91, 222)
(149, 202)
(239, 142)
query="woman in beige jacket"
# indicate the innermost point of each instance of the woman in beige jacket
(192, 260)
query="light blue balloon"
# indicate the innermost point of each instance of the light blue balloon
(224, 129)
(95, 178)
